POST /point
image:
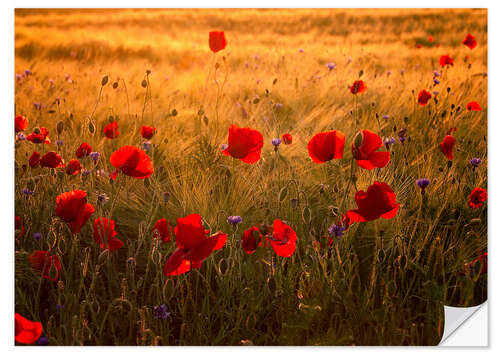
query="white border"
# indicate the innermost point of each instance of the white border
(7, 167)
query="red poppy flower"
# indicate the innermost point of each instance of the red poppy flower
(451, 130)
(34, 159)
(326, 146)
(20, 123)
(18, 226)
(482, 260)
(470, 41)
(162, 229)
(283, 239)
(83, 150)
(72, 208)
(47, 264)
(217, 41)
(74, 167)
(430, 39)
(447, 146)
(51, 160)
(111, 130)
(105, 234)
(251, 239)
(132, 162)
(419, 45)
(477, 197)
(244, 144)
(287, 138)
(423, 97)
(445, 60)
(27, 331)
(39, 135)
(474, 106)
(147, 132)
(358, 87)
(379, 201)
(365, 152)
(193, 245)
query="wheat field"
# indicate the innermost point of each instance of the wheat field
(382, 282)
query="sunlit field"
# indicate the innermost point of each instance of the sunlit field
(329, 261)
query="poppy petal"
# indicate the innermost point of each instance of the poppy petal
(380, 158)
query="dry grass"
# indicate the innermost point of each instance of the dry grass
(384, 282)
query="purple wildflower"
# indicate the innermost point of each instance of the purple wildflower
(336, 231)
(28, 192)
(160, 312)
(42, 341)
(331, 66)
(436, 81)
(422, 183)
(475, 163)
(276, 142)
(21, 136)
(223, 147)
(94, 155)
(234, 220)
(102, 198)
(146, 146)
(37, 236)
(389, 141)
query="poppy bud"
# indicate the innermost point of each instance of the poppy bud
(174, 112)
(53, 273)
(104, 80)
(91, 128)
(283, 193)
(402, 261)
(381, 255)
(36, 130)
(265, 229)
(475, 221)
(306, 214)
(148, 72)
(201, 112)
(449, 163)
(358, 139)
(103, 257)
(111, 119)
(144, 83)
(60, 127)
(217, 65)
(115, 85)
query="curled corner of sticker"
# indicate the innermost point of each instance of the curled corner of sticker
(454, 317)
